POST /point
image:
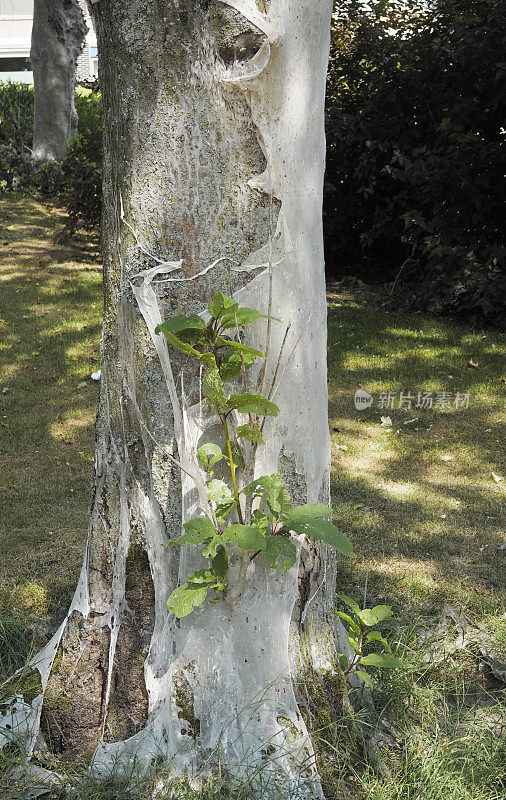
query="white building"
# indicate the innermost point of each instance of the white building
(16, 17)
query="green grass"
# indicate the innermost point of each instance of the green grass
(50, 313)
(426, 528)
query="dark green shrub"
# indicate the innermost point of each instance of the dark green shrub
(81, 188)
(16, 124)
(76, 181)
(416, 156)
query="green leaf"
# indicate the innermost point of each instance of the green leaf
(243, 348)
(212, 386)
(201, 576)
(218, 491)
(327, 532)
(192, 326)
(197, 530)
(220, 563)
(251, 432)
(280, 553)
(245, 537)
(361, 673)
(184, 347)
(209, 455)
(383, 660)
(371, 616)
(260, 521)
(243, 316)
(223, 509)
(272, 489)
(278, 501)
(301, 516)
(185, 598)
(375, 636)
(211, 547)
(261, 486)
(221, 303)
(351, 622)
(249, 403)
(231, 364)
(350, 602)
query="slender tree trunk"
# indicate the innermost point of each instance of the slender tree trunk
(214, 158)
(57, 39)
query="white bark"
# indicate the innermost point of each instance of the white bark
(214, 161)
(57, 39)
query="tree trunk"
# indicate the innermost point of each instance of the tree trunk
(57, 39)
(214, 158)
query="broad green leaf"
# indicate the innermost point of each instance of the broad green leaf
(280, 553)
(260, 486)
(244, 536)
(298, 517)
(201, 576)
(187, 327)
(350, 602)
(273, 491)
(243, 316)
(209, 455)
(197, 530)
(218, 491)
(185, 598)
(249, 403)
(361, 673)
(251, 432)
(375, 636)
(231, 364)
(243, 348)
(223, 509)
(260, 521)
(184, 347)
(383, 660)
(221, 303)
(325, 531)
(371, 616)
(351, 622)
(212, 386)
(220, 563)
(278, 501)
(211, 547)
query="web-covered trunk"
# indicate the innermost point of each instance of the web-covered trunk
(214, 157)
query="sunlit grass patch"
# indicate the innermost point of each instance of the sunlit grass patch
(50, 307)
(426, 489)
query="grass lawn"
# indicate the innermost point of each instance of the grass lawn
(50, 316)
(417, 494)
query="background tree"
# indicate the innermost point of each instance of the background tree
(57, 39)
(213, 170)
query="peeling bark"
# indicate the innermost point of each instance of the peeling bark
(214, 157)
(57, 39)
